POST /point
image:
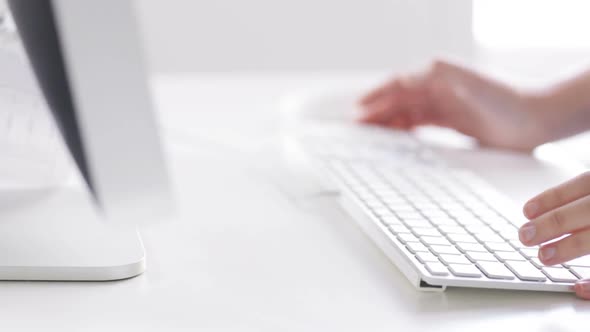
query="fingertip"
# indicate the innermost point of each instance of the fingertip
(531, 209)
(369, 113)
(377, 93)
(375, 117)
(548, 255)
(361, 119)
(367, 118)
(372, 96)
(365, 100)
(582, 289)
(526, 233)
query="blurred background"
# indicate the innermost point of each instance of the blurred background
(539, 37)
(301, 35)
(532, 36)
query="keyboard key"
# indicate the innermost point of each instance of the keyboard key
(434, 213)
(484, 212)
(559, 274)
(427, 206)
(495, 246)
(469, 221)
(463, 238)
(447, 221)
(383, 212)
(448, 229)
(395, 203)
(419, 222)
(477, 206)
(526, 271)
(483, 230)
(530, 252)
(399, 207)
(498, 220)
(368, 197)
(437, 269)
(407, 237)
(423, 231)
(390, 220)
(393, 196)
(481, 256)
(414, 198)
(435, 240)
(397, 229)
(494, 270)
(461, 270)
(517, 244)
(454, 259)
(462, 213)
(518, 221)
(442, 200)
(489, 238)
(509, 256)
(409, 215)
(379, 186)
(581, 272)
(466, 247)
(416, 247)
(504, 228)
(425, 257)
(537, 263)
(383, 191)
(374, 204)
(451, 250)
(510, 235)
(450, 207)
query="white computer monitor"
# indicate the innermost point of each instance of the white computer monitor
(87, 59)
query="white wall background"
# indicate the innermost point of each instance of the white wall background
(229, 35)
(346, 35)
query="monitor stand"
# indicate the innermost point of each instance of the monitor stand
(51, 234)
(56, 234)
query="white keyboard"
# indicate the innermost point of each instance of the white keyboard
(445, 227)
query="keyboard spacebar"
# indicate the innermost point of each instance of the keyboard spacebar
(526, 271)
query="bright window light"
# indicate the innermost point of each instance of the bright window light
(519, 24)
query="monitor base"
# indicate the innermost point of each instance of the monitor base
(57, 235)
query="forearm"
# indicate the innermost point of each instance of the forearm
(567, 106)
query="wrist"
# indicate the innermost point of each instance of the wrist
(561, 111)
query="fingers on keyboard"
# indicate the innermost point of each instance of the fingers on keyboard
(448, 228)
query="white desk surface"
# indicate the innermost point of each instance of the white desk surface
(250, 253)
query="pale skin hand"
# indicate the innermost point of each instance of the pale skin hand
(493, 113)
(561, 211)
(498, 115)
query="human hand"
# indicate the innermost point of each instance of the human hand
(451, 96)
(563, 213)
